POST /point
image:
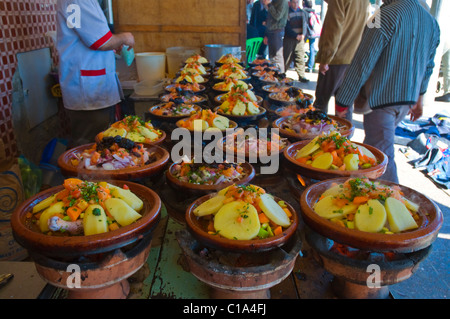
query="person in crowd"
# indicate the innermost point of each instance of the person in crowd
(310, 37)
(87, 68)
(293, 42)
(276, 22)
(341, 33)
(249, 9)
(392, 67)
(258, 21)
(446, 77)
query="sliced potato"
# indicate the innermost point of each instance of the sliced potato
(370, 217)
(239, 108)
(252, 109)
(94, 220)
(211, 206)
(399, 217)
(351, 162)
(128, 196)
(223, 191)
(221, 122)
(323, 161)
(147, 133)
(365, 151)
(237, 220)
(121, 211)
(200, 125)
(57, 208)
(333, 191)
(273, 211)
(414, 207)
(328, 209)
(252, 95)
(308, 149)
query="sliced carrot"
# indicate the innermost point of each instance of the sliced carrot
(278, 230)
(73, 212)
(340, 202)
(62, 194)
(263, 218)
(113, 226)
(288, 212)
(358, 200)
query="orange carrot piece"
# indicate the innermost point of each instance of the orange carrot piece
(72, 183)
(263, 218)
(360, 200)
(278, 230)
(73, 212)
(113, 226)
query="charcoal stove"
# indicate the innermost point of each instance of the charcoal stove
(238, 275)
(362, 274)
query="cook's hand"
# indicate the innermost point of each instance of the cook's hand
(128, 39)
(323, 68)
(266, 41)
(416, 111)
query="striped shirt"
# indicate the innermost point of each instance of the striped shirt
(398, 55)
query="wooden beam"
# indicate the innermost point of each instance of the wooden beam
(178, 28)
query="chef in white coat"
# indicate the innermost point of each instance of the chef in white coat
(87, 68)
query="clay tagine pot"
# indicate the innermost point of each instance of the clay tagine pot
(322, 174)
(105, 260)
(429, 223)
(130, 173)
(196, 226)
(203, 189)
(345, 128)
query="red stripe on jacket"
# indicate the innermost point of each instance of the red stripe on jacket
(101, 41)
(93, 72)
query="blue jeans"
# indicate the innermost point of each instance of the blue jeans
(312, 53)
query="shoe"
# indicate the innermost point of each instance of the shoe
(443, 98)
(308, 70)
(303, 80)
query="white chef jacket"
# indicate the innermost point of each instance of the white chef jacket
(87, 75)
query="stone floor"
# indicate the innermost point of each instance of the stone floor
(432, 278)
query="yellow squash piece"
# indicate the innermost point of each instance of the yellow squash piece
(121, 211)
(399, 217)
(328, 209)
(370, 217)
(237, 220)
(44, 204)
(273, 211)
(113, 131)
(94, 220)
(211, 206)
